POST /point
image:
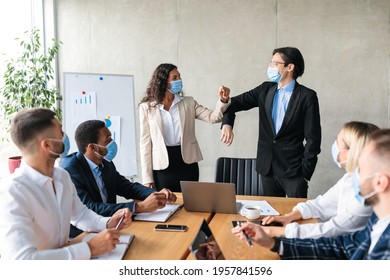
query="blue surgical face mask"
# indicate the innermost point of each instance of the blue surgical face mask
(112, 150)
(356, 187)
(273, 74)
(335, 154)
(176, 86)
(65, 148)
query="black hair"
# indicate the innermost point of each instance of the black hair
(87, 133)
(292, 55)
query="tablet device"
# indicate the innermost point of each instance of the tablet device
(204, 246)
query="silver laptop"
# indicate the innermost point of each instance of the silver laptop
(209, 197)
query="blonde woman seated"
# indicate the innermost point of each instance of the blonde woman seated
(338, 211)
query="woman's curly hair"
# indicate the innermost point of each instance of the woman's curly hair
(158, 84)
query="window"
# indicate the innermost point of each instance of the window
(16, 17)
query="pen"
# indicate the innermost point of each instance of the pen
(159, 194)
(247, 237)
(120, 222)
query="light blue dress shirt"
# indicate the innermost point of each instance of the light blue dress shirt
(280, 103)
(98, 178)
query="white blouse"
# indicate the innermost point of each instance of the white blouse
(35, 219)
(171, 123)
(338, 212)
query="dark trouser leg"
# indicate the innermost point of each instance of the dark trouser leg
(290, 187)
(271, 187)
(294, 186)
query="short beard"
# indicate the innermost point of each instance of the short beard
(371, 201)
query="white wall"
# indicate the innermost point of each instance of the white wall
(345, 44)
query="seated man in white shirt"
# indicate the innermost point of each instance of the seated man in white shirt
(38, 201)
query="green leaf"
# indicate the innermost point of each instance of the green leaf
(26, 79)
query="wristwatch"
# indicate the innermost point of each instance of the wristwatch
(276, 245)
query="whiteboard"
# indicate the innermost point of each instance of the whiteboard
(108, 98)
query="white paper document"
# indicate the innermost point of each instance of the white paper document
(118, 252)
(265, 208)
(160, 215)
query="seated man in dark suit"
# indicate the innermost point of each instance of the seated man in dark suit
(371, 182)
(98, 182)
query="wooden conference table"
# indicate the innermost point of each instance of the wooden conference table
(235, 249)
(149, 244)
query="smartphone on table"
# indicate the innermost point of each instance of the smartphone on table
(164, 227)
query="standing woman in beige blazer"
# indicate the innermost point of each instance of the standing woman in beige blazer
(168, 145)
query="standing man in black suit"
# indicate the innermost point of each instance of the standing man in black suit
(98, 182)
(289, 126)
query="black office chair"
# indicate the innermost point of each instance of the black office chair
(240, 171)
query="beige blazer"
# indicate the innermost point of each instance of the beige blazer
(153, 151)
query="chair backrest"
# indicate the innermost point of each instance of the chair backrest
(240, 171)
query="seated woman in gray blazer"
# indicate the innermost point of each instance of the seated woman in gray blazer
(168, 145)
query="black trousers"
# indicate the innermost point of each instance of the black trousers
(282, 187)
(176, 171)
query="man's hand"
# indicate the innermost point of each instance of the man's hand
(274, 231)
(227, 135)
(114, 220)
(105, 241)
(255, 233)
(171, 197)
(153, 202)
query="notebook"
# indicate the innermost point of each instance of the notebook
(118, 252)
(204, 246)
(209, 197)
(160, 215)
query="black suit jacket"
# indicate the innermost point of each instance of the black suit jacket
(284, 153)
(115, 184)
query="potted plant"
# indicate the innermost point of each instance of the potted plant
(28, 82)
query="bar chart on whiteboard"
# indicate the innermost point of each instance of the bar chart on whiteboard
(83, 106)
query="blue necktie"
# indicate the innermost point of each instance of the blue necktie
(100, 183)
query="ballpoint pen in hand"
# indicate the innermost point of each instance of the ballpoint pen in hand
(120, 222)
(247, 237)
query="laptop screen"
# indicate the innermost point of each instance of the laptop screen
(204, 246)
(209, 197)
